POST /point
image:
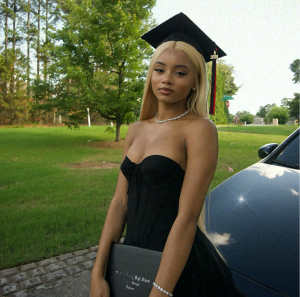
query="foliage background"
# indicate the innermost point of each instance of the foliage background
(62, 57)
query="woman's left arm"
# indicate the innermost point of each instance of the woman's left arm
(202, 154)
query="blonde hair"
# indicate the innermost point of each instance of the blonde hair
(197, 102)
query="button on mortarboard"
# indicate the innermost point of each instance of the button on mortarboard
(181, 28)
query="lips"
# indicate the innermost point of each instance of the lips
(165, 91)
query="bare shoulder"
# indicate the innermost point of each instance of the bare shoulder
(200, 128)
(201, 139)
(134, 130)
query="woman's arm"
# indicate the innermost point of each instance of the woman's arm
(112, 229)
(202, 154)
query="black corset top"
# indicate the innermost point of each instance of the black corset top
(153, 199)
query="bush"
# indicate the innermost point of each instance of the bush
(248, 118)
(281, 113)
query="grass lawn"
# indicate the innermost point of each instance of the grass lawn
(48, 208)
(53, 201)
(238, 151)
(279, 130)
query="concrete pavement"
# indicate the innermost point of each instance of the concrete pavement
(66, 275)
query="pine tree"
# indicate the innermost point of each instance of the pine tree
(28, 8)
(50, 17)
(12, 64)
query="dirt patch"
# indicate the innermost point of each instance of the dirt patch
(95, 165)
(100, 164)
(108, 144)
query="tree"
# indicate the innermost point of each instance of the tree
(227, 70)
(19, 30)
(243, 112)
(12, 65)
(48, 14)
(37, 13)
(225, 86)
(50, 18)
(28, 8)
(231, 117)
(247, 118)
(295, 67)
(280, 113)
(294, 106)
(13, 36)
(220, 116)
(285, 102)
(262, 112)
(12, 90)
(101, 62)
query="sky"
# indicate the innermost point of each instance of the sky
(260, 37)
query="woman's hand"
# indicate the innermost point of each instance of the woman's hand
(99, 286)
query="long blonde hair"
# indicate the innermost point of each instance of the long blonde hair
(197, 102)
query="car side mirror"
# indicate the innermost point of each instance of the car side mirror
(266, 149)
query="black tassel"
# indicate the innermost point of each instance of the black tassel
(213, 87)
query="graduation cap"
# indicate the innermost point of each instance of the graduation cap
(181, 28)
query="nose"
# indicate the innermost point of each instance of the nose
(167, 78)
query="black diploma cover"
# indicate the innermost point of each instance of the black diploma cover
(131, 270)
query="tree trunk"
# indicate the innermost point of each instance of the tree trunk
(6, 28)
(45, 53)
(118, 128)
(12, 81)
(12, 78)
(14, 27)
(28, 50)
(6, 47)
(118, 121)
(28, 63)
(38, 41)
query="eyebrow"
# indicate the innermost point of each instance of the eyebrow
(176, 66)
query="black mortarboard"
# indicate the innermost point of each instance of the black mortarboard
(181, 28)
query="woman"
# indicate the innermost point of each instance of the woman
(169, 160)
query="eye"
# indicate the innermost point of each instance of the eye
(179, 73)
(159, 70)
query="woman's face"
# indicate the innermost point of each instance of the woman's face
(173, 76)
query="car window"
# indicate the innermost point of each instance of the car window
(290, 155)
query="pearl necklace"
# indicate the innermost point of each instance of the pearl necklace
(172, 119)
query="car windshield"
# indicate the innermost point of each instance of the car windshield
(289, 156)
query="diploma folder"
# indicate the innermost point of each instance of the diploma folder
(131, 270)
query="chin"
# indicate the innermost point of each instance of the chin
(170, 100)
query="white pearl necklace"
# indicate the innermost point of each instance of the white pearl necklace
(172, 119)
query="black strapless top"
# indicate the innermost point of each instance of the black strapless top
(153, 200)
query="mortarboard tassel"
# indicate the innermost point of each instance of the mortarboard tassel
(213, 83)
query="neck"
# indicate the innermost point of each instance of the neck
(170, 111)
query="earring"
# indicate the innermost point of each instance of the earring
(194, 89)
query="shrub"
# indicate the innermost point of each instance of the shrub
(248, 118)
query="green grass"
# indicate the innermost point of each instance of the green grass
(238, 151)
(279, 130)
(48, 208)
